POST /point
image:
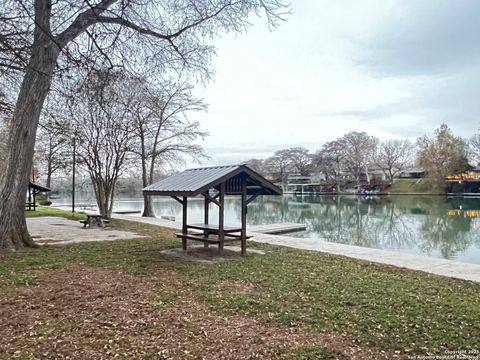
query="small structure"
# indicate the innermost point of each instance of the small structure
(214, 183)
(412, 173)
(33, 191)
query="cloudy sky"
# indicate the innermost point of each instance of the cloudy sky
(395, 69)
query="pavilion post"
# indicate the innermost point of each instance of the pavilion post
(205, 218)
(244, 217)
(184, 223)
(29, 198)
(221, 217)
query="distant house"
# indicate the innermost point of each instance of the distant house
(412, 173)
(467, 182)
(374, 174)
(304, 184)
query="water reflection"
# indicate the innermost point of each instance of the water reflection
(420, 224)
(428, 225)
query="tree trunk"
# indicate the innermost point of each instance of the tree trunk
(48, 183)
(147, 206)
(147, 179)
(17, 162)
(147, 176)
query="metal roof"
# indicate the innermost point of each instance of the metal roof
(37, 187)
(193, 182)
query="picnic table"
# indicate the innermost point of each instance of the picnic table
(94, 219)
(203, 232)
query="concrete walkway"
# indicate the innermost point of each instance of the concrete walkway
(427, 264)
(58, 230)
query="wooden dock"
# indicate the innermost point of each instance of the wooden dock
(126, 212)
(272, 229)
(275, 229)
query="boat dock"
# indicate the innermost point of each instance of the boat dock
(280, 228)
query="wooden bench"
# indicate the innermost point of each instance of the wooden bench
(205, 239)
(202, 232)
(94, 218)
(29, 205)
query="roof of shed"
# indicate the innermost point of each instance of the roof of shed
(193, 182)
(37, 187)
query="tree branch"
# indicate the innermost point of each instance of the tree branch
(83, 21)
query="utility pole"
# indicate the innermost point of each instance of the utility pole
(73, 174)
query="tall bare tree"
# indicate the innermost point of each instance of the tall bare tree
(360, 149)
(474, 144)
(330, 159)
(162, 128)
(301, 160)
(393, 156)
(103, 129)
(279, 165)
(53, 141)
(257, 165)
(39, 37)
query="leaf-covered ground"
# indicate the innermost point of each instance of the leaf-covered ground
(127, 299)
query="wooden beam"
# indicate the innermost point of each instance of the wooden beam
(243, 233)
(205, 216)
(221, 217)
(211, 199)
(176, 198)
(251, 198)
(184, 223)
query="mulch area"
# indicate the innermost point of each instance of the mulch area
(82, 312)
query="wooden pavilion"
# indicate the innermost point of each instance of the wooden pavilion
(214, 183)
(33, 191)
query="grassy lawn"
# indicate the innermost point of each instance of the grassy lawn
(50, 211)
(284, 304)
(410, 186)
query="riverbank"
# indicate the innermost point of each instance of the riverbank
(126, 297)
(443, 267)
(399, 187)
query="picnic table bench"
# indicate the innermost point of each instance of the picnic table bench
(202, 233)
(94, 218)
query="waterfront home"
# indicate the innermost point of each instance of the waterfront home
(467, 182)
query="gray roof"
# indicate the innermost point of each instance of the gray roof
(193, 182)
(37, 187)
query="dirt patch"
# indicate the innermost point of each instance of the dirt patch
(81, 312)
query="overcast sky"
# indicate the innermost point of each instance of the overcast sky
(395, 69)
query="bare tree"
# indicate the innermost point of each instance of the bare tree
(359, 153)
(53, 140)
(103, 130)
(393, 156)
(163, 130)
(257, 165)
(441, 156)
(279, 165)
(474, 144)
(330, 159)
(300, 159)
(38, 35)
